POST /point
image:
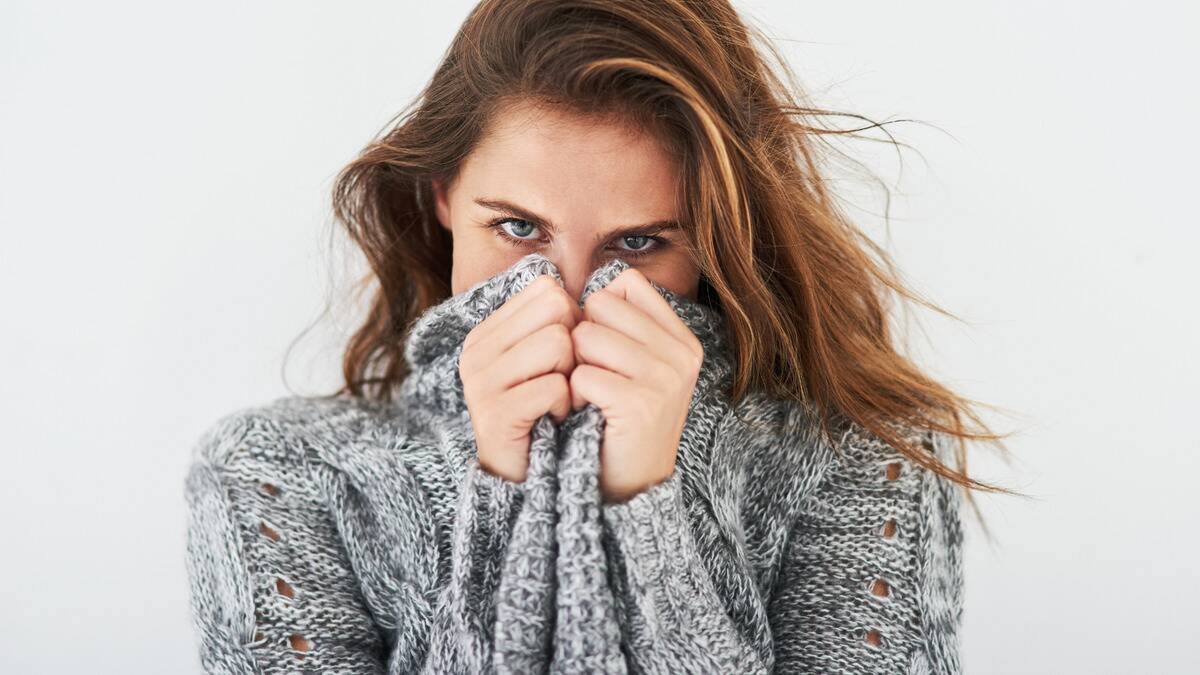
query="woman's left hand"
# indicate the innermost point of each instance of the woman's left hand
(638, 363)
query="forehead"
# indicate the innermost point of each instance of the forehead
(576, 167)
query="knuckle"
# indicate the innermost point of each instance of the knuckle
(560, 331)
(561, 301)
(563, 343)
(560, 384)
(554, 337)
(578, 374)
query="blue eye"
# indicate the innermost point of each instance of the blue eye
(642, 240)
(522, 232)
(516, 231)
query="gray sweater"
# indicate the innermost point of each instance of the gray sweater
(336, 535)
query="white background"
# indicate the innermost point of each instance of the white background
(165, 242)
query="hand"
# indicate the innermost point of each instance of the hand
(638, 363)
(514, 368)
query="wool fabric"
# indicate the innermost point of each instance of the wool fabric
(333, 534)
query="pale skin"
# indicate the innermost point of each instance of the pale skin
(580, 190)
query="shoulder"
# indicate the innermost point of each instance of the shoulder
(870, 488)
(863, 458)
(776, 444)
(272, 522)
(779, 447)
(285, 438)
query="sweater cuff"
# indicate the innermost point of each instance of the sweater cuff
(648, 520)
(496, 490)
(673, 618)
(651, 551)
(489, 508)
(493, 505)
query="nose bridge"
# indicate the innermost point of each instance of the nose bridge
(575, 266)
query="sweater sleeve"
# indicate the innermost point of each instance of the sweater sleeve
(271, 589)
(871, 579)
(462, 636)
(672, 616)
(275, 588)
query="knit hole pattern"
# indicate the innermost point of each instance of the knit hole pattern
(300, 645)
(892, 472)
(880, 588)
(268, 531)
(889, 529)
(285, 589)
(281, 586)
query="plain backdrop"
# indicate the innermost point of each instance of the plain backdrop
(167, 256)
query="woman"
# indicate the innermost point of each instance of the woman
(625, 399)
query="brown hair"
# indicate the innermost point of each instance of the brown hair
(806, 293)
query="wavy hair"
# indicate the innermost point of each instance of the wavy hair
(807, 294)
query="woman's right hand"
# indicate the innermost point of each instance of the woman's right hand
(515, 366)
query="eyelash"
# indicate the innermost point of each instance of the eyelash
(495, 223)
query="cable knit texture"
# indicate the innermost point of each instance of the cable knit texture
(338, 535)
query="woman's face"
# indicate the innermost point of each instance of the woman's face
(579, 190)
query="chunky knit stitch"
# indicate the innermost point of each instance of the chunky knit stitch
(336, 535)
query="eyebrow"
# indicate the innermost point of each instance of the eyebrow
(525, 214)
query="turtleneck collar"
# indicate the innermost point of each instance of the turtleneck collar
(435, 342)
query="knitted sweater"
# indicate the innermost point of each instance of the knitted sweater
(336, 535)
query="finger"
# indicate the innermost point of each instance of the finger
(602, 346)
(596, 385)
(633, 286)
(551, 306)
(531, 399)
(548, 349)
(613, 311)
(541, 284)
